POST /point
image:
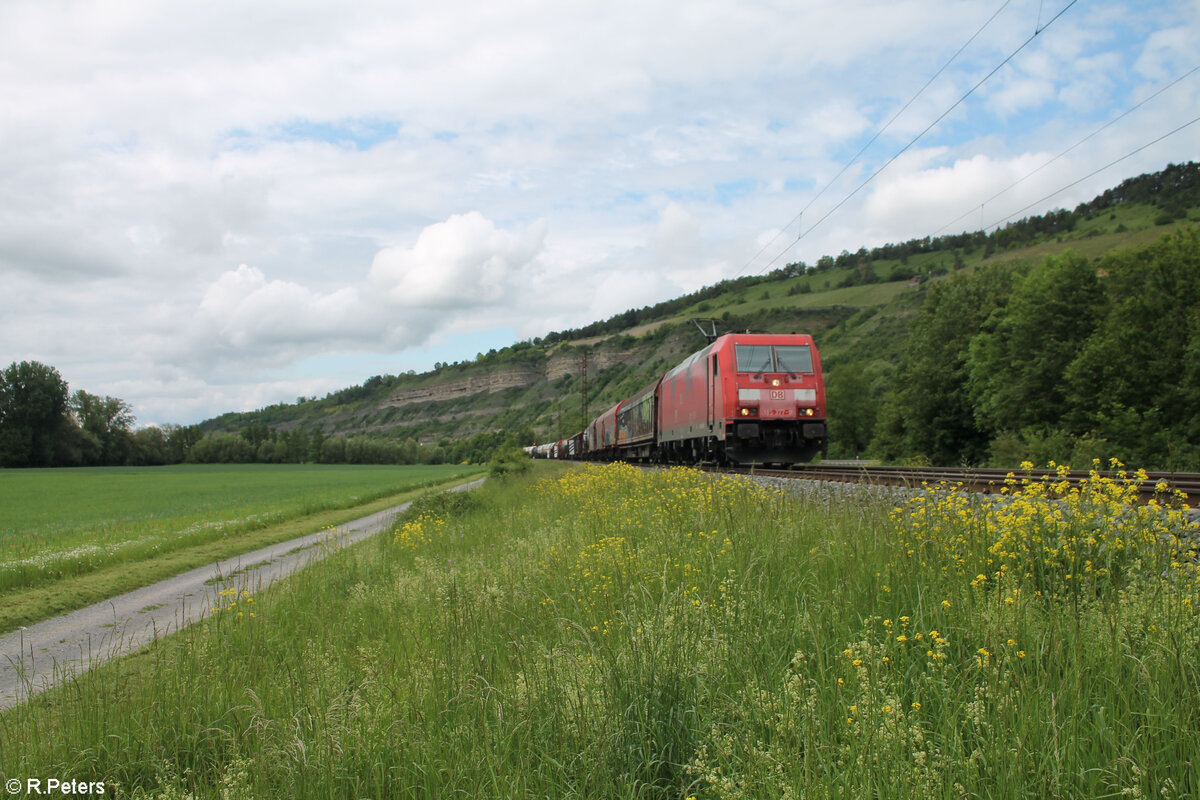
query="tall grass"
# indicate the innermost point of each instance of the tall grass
(617, 633)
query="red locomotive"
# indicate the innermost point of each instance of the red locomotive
(744, 399)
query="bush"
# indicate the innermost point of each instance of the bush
(509, 462)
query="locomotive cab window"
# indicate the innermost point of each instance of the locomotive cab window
(753, 357)
(794, 358)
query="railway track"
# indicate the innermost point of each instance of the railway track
(986, 480)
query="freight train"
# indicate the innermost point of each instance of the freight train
(751, 398)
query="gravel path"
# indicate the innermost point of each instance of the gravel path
(45, 654)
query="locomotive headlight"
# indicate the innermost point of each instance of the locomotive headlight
(745, 412)
(775, 381)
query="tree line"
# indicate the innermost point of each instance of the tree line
(44, 424)
(1067, 360)
(262, 444)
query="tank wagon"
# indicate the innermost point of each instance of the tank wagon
(751, 398)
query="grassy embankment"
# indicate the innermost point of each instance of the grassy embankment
(73, 537)
(615, 633)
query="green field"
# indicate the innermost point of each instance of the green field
(614, 633)
(59, 525)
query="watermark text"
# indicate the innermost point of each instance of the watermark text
(44, 787)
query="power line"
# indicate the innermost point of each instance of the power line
(930, 127)
(1103, 127)
(1095, 172)
(878, 133)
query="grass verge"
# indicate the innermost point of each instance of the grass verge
(613, 633)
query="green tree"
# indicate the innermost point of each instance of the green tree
(33, 408)
(151, 447)
(333, 450)
(1019, 356)
(106, 423)
(316, 442)
(296, 443)
(1136, 376)
(853, 404)
(222, 448)
(180, 441)
(930, 413)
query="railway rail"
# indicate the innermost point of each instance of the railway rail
(987, 480)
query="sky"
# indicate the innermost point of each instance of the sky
(215, 206)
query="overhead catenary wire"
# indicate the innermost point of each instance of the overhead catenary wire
(928, 128)
(1062, 189)
(800, 216)
(1102, 128)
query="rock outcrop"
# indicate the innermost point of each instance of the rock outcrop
(454, 388)
(564, 361)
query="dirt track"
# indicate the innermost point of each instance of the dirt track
(42, 655)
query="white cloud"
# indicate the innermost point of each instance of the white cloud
(1168, 53)
(246, 310)
(461, 263)
(1021, 94)
(914, 195)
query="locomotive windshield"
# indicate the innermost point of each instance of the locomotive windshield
(794, 358)
(753, 357)
(781, 358)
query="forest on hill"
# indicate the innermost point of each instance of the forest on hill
(1067, 360)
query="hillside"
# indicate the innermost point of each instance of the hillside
(858, 305)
